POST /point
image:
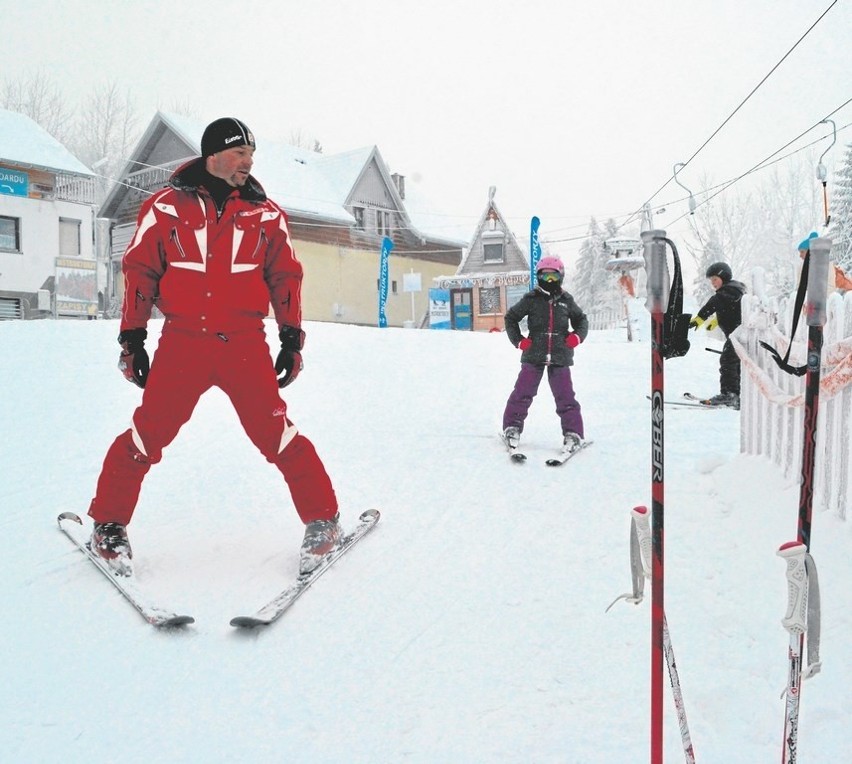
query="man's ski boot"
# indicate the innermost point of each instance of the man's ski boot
(109, 542)
(321, 537)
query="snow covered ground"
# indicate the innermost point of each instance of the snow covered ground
(469, 627)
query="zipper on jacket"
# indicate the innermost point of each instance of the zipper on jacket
(175, 239)
(549, 333)
(259, 243)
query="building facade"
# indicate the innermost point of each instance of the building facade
(48, 264)
(340, 206)
(493, 276)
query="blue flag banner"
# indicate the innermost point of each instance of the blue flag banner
(535, 249)
(387, 246)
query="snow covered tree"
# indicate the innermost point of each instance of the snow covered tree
(593, 286)
(840, 229)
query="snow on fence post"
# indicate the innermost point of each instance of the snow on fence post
(773, 402)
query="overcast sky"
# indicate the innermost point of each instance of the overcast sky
(570, 109)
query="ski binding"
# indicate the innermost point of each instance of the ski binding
(72, 526)
(277, 606)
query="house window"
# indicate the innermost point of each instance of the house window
(383, 221)
(489, 300)
(69, 237)
(358, 213)
(10, 234)
(492, 253)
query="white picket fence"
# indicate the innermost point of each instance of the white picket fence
(772, 401)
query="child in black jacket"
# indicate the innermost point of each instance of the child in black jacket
(727, 305)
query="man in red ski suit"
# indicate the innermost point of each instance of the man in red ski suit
(212, 251)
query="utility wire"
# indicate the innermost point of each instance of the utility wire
(763, 163)
(730, 116)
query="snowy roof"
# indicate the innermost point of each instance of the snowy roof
(24, 142)
(306, 182)
(292, 176)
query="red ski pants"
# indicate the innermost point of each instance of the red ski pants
(184, 367)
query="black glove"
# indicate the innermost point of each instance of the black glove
(289, 358)
(133, 360)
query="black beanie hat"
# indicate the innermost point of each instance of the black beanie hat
(225, 133)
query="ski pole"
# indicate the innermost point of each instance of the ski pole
(640, 566)
(654, 253)
(797, 553)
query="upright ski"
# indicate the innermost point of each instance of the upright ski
(72, 526)
(276, 607)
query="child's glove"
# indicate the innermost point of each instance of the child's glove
(696, 322)
(572, 340)
(712, 324)
(525, 344)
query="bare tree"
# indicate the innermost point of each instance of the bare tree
(302, 140)
(105, 132)
(42, 101)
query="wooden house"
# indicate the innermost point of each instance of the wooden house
(340, 207)
(493, 275)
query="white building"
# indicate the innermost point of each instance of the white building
(47, 225)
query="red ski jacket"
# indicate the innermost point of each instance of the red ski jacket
(207, 273)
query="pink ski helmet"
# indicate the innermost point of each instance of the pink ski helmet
(550, 264)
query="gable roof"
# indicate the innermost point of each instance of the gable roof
(480, 228)
(27, 143)
(305, 183)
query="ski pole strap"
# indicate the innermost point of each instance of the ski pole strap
(803, 602)
(675, 321)
(797, 371)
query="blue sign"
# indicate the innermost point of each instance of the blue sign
(387, 246)
(14, 182)
(439, 309)
(535, 249)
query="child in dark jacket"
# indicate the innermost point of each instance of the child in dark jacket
(727, 305)
(556, 326)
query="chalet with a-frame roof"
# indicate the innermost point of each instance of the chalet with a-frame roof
(493, 275)
(340, 207)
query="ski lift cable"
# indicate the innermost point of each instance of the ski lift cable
(742, 103)
(765, 162)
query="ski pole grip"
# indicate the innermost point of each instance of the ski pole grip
(656, 267)
(641, 521)
(796, 618)
(818, 281)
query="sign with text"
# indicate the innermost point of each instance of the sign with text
(76, 287)
(14, 182)
(439, 309)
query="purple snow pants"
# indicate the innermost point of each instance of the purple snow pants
(526, 387)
